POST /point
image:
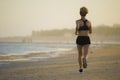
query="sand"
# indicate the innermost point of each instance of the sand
(103, 64)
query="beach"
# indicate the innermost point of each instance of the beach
(103, 64)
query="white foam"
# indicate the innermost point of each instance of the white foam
(4, 63)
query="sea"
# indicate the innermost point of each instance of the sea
(39, 51)
(32, 51)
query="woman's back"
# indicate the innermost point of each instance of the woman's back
(83, 27)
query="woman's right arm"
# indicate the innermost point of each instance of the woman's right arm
(90, 29)
(76, 29)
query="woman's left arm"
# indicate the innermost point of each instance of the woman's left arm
(76, 28)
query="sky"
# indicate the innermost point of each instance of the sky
(21, 17)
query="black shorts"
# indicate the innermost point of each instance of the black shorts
(83, 40)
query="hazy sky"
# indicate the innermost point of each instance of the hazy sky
(20, 17)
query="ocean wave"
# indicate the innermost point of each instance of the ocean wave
(33, 55)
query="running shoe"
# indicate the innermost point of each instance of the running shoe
(80, 70)
(84, 63)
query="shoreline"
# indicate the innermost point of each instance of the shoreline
(103, 64)
(41, 55)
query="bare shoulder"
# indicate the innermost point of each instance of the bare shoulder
(79, 21)
(88, 22)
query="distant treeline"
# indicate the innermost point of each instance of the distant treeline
(101, 33)
(106, 30)
(55, 32)
(106, 33)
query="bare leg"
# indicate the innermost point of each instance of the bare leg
(80, 55)
(86, 47)
(85, 55)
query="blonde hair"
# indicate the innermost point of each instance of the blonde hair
(83, 11)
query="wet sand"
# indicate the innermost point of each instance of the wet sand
(103, 64)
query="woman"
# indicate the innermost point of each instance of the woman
(83, 29)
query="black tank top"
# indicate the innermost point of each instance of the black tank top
(84, 27)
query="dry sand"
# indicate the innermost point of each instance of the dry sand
(103, 64)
